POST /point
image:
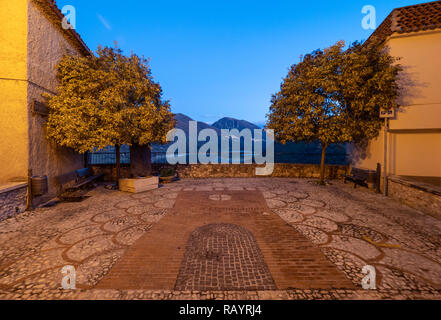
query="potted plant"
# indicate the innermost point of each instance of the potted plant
(167, 175)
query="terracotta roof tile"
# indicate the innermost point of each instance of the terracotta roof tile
(419, 17)
(52, 9)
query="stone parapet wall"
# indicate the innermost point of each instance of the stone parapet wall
(248, 171)
(230, 171)
(12, 201)
(109, 171)
(417, 196)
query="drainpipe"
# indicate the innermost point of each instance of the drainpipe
(386, 129)
(29, 193)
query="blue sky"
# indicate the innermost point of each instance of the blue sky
(219, 58)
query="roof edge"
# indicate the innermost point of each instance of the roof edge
(390, 25)
(51, 8)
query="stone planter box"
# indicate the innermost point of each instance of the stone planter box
(138, 185)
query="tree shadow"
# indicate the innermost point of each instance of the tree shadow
(410, 89)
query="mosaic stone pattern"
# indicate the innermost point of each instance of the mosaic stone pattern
(223, 257)
(352, 228)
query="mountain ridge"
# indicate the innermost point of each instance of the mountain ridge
(232, 123)
(182, 122)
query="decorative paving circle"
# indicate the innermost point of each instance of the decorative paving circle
(223, 257)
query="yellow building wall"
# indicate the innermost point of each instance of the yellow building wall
(13, 91)
(46, 46)
(415, 138)
(421, 80)
(415, 154)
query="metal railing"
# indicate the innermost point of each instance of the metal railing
(103, 158)
(109, 158)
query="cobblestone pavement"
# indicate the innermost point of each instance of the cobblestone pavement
(352, 228)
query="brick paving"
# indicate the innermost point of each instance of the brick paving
(332, 232)
(223, 257)
(154, 261)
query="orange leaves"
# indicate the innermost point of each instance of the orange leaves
(334, 95)
(107, 99)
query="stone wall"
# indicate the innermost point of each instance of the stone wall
(247, 171)
(422, 197)
(12, 201)
(232, 171)
(109, 171)
(46, 46)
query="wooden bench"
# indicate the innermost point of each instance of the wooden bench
(364, 177)
(73, 183)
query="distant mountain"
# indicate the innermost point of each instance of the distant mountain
(182, 122)
(292, 152)
(231, 123)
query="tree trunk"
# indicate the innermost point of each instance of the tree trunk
(86, 159)
(118, 162)
(140, 161)
(322, 165)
